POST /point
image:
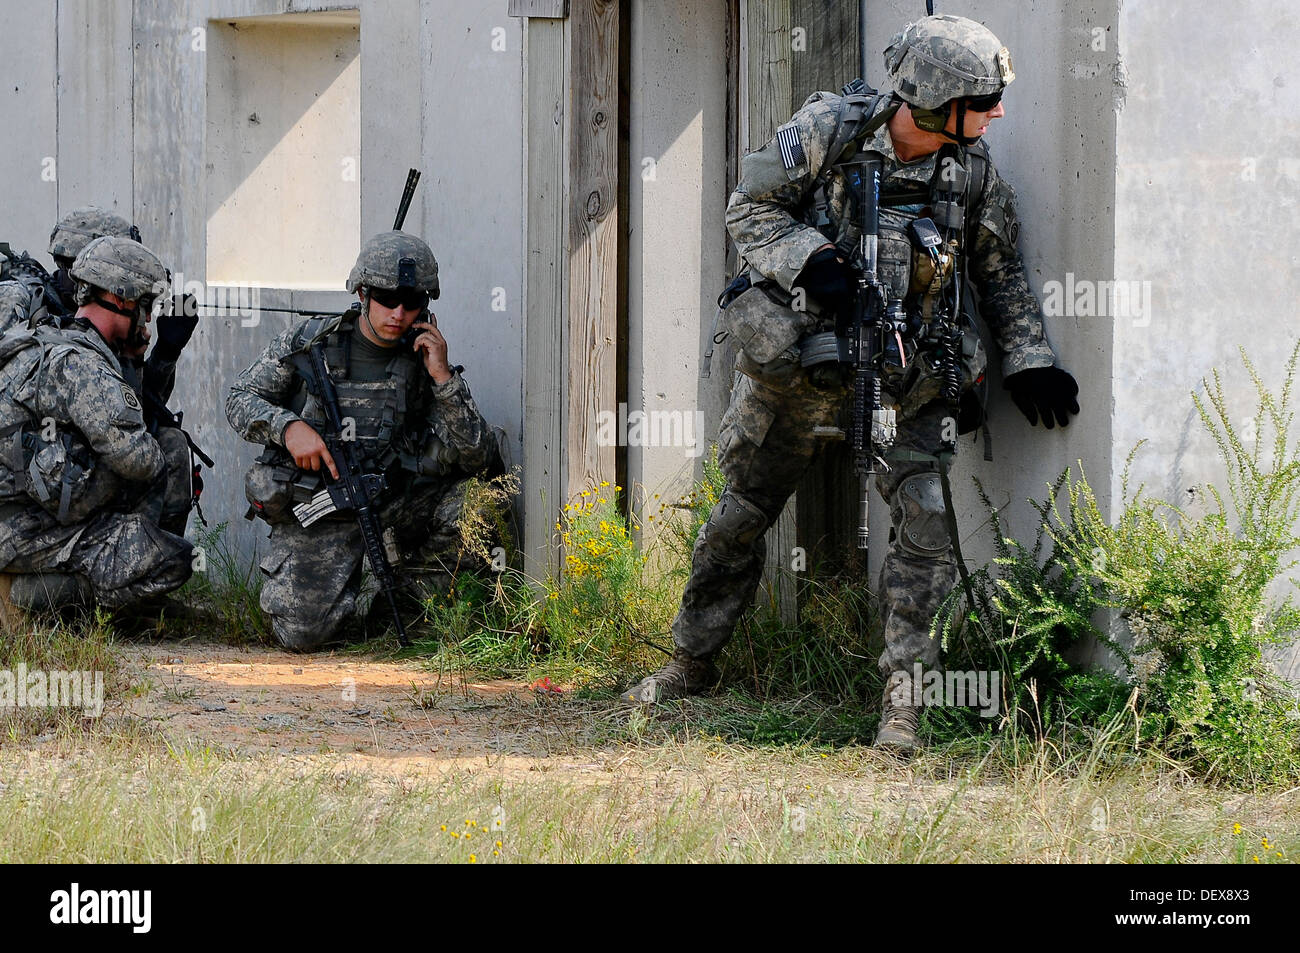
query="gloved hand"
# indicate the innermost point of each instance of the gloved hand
(829, 280)
(1049, 391)
(175, 329)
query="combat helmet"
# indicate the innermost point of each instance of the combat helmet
(122, 267)
(941, 58)
(79, 227)
(393, 260)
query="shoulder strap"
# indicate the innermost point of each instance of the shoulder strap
(850, 125)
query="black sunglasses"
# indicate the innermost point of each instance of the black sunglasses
(412, 299)
(983, 104)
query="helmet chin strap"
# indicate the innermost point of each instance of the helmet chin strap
(135, 337)
(959, 136)
(365, 316)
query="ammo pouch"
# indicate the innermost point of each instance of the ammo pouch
(274, 485)
(767, 329)
(60, 475)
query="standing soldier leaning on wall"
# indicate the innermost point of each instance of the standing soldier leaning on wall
(793, 217)
(413, 420)
(84, 488)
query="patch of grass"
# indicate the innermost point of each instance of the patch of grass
(1195, 591)
(225, 592)
(700, 799)
(45, 644)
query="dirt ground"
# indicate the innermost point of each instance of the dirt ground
(388, 715)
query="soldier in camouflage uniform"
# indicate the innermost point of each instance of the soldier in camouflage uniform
(28, 292)
(83, 485)
(792, 216)
(414, 419)
(29, 297)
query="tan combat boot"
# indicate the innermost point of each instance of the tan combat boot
(683, 675)
(900, 718)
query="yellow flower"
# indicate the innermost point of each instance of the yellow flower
(473, 858)
(497, 853)
(444, 827)
(498, 842)
(604, 483)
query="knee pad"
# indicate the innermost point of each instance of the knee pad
(921, 517)
(734, 524)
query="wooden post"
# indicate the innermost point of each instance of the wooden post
(594, 222)
(544, 290)
(572, 303)
(769, 76)
(827, 519)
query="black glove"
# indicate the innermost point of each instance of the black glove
(829, 280)
(1049, 391)
(175, 329)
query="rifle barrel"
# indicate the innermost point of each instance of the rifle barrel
(408, 193)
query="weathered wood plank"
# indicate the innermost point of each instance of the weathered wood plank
(828, 53)
(556, 9)
(768, 24)
(544, 291)
(593, 236)
(827, 519)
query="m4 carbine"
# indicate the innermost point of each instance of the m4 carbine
(355, 491)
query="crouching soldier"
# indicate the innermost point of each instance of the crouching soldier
(409, 418)
(84, 488)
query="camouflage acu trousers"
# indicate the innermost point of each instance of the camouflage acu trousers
(127, 558)
(765, 444)
(313, 573)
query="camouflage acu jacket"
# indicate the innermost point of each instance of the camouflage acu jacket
(269, 396)
(771, 218)
(69, 381)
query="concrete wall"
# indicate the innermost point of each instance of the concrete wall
(29, 109)
(1207, 210)
(283, 150)
(471, 83)
(677, 195)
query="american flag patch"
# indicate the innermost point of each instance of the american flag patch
(792, 154)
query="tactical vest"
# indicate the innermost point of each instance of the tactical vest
(947, 200)
(56, 470)
(376, 411)
(952, 199)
